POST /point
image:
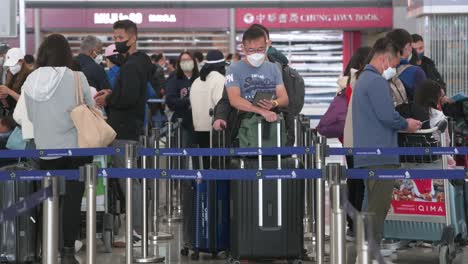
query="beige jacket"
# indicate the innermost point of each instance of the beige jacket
(348, 129)
(204, 95)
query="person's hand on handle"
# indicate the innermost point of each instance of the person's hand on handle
(4, 91)
(413, 125)
(269, 116)
(219, 125)
(266, 104)
(100, 97)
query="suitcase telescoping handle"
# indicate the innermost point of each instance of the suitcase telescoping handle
(260, 167)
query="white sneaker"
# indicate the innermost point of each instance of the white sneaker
(135, 234)
(78, 245)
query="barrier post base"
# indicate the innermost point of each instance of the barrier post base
(160, 236)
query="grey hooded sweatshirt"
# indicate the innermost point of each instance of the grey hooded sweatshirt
(50, 97)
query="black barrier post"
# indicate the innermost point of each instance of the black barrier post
(157, 235)
(336, 174)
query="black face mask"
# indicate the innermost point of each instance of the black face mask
(121, 47)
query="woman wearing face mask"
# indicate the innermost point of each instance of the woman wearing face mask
(205, 94)
(16, 75)
(178, 91)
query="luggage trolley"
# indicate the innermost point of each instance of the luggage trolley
(427, 210)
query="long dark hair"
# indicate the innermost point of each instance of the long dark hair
(427, 95)
(357, 60)
(208, 68)
(54, 52)
(180, 73)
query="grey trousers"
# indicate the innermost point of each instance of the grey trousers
(379, 194)
(120, 162)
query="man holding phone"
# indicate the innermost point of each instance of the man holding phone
(255, 74)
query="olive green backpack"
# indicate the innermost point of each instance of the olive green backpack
(248, 131)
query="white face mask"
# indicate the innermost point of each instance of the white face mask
(389, 73)
(15, 69)
(256, 59)
(187, 66)
(99, 58)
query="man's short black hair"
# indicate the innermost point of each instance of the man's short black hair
(127, 25)
(400, 37)
(29, 59)
(417, 38)
(385, 45)
(253, 33)
(262, 27)
(199, 56)
(156, 57)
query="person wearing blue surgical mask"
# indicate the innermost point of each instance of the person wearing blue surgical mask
(16, 75)
(426, 64)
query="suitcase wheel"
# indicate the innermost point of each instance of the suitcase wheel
(233, 261)
(184, 252)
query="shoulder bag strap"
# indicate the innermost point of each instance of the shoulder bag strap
(78, 89)
(402, 68)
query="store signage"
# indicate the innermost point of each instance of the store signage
(138, 18)
(111, 18)
(424, 197)
(150, 18)
(316, 17)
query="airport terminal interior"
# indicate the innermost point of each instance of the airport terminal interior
(316, 120)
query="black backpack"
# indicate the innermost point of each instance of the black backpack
(295, 87)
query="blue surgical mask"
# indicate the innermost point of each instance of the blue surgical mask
(420, 55)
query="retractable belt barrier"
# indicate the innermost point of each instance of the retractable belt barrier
(220, 152)
(229, 174)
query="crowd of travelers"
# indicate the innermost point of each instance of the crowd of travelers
(38, 93)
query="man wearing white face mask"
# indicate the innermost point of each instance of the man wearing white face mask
(89, 59)
(255, 73)
(376, 124)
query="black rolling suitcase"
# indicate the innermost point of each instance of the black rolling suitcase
(19, 237)
(267, 215)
